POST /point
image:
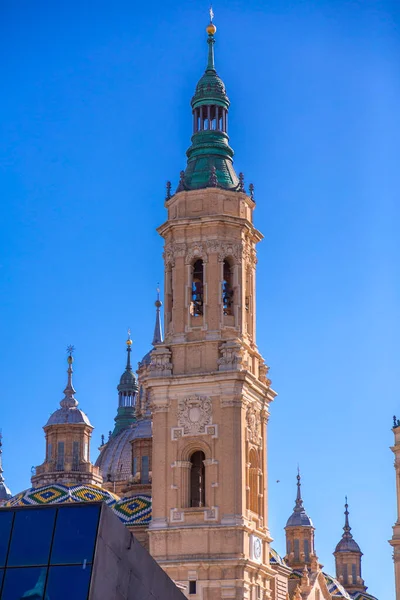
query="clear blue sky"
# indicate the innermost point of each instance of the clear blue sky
(95, 117)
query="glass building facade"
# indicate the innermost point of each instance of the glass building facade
(46, 553)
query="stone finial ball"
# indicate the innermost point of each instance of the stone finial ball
(211, 29)
(70, 360)
(158, 303)
(129, 342)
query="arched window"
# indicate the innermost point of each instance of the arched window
(227, 288)
(253, 481)
(197, 479)
(197, 289)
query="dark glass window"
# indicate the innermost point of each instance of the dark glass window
(24, 583)
(75, 535)
(197, 479)
(296, 550)
(227, 289)
(197, 289)
(60, 456)
(306, 551)
(67, 583)
(5, 529)
(31, 538)
(192, 587)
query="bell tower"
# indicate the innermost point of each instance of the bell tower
(208, 383)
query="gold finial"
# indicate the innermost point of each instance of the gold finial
(129, 341)
(211, 29)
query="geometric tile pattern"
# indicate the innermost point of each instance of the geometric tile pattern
(362, 596)
(275, 559)
(58, 493)
(135, 510)
(132, 511)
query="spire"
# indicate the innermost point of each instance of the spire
(299, 516)
(299, 501)
(69, 400)
(127, 392)
(346, 527)
(69, 411)
(347, 543)
(157, 337)
(211, 29)
(128, 351)
(210, 156)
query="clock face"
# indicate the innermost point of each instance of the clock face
(257, 548)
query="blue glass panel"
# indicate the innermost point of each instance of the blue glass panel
(75, 535)
(65, 583)
(6, 518)
(24, 583)
(31, 537)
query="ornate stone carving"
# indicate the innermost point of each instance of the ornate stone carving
(194, 414)
(253, 425)
(173, 250)
(231, 358)
(232, 250)
(263, 371)
(161, 365)
(249, 253)
(196, 250)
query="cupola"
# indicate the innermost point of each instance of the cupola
(210, 157)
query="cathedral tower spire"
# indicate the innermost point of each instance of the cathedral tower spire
(299, 529)
(127, 393)
(207, 382)
(158, 337)
(210, 156)
(68, 433)
(348, 559)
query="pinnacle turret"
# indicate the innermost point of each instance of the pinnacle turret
(299, 516)
(210, 156)
(127, 392)
(157, 337)
(347, 543)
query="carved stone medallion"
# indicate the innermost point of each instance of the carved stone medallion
(194, 413)
(253, 425)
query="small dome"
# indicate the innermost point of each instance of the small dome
(128, 378)
(210, 87)
(59, 493)
(71, 415)
(146, 360)
(347, 544)
(299, 519)
(143, 429)
(115, 458)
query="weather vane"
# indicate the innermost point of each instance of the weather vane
(211, 14)
(70, 349)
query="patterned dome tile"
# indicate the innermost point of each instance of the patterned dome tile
(135, 510)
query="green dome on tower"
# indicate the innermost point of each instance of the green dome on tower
(210, 156)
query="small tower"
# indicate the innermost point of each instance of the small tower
(127, 393)
(348, 559)
(5, 493)
(395, 541)
(68, 432)
(299, 529)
